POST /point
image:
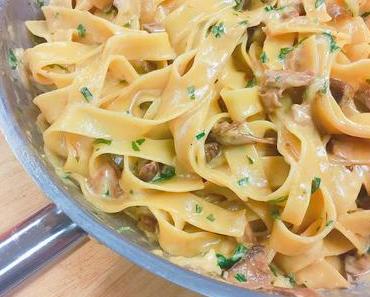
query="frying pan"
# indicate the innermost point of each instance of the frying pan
(65, 223)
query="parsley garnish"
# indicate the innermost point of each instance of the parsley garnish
(238, 5)
(218, 30)
(250, 160)
(273, 269)
(264, 58)
(103, 141)
(329, 223)
(12, 60)
(87, 94)
(315, 185)
(240, 277)
(368, 250)
(332, 44)
(167, 172)
(243, 181)
(269, 8)
(318, 3)
(251, 83)
(324, 88)
(135, 144)
(292, 279)
(278, 200)
(128, 24)
(106, 192)
(211, 217)
(81, 30)
(226, 263)
(284, 52)
(40, 3)
(275, 213)
(365, 14)
(124, 229)
(198, 208)
(191, 92)
(200, 135)
(245, 22)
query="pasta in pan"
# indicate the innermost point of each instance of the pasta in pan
(237, 133)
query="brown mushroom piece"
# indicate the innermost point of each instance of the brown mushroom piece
(350, 150)
(357, 266)
(337, 12)
(252, 271)
(106, 180)
(237, 133)
(148, 223)
(362, 96)
(212, 150)
(147, 170)
(341, 90)
(275, 82)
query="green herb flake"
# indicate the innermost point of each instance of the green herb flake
(365, 14)
(140, 141)
(226, 263)
(198, 208)
(269, 8)
(218, 30)
(273, 269)
(368, 250)
(238, 6)
(278, 200)
(292, 280)
(275, 213)
(40, 3)
(191, 92)
(81, 30)
(106, 192)
(318, 3)
(200, 135)
(324, 88)
(166, 173)
(135, 146)
(250, 160)
(239, 253)
(12, 60)
(284, 52)
(124, 229)
(263, 58)
(211, 218)
(329, 223)
(103, 141)
(87, 94)
(240, 277)
(243, 23)
(243, 181)
(251, 83)
(315, 184)
(332, 43)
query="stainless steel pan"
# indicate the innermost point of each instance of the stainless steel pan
(63, 225)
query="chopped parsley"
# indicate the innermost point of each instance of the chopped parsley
(191, 92)
(87, 94)
(318, 3)
(284, 52)
(250, 160)
(166, 173)
(329, 223)
(12, 60)
(273, 269)
(263, 58)
(106, 192)
(324, 88)
(243, 181)
(278, 200)
(200, 135)
(218, 30)
(275, 213)
(368, 250)
(365, 14)
(251, 83)
(292, 280)
(198, 208)
(136, 144)
(226, 263)
(269, 8)
(124, 229)
(245, 22)
(40, 3)
(332, 43)
(128, 24)
(211, 217)
(315, 185)
(238, 6)
(240, 277)
(103, 141)
(81, 30)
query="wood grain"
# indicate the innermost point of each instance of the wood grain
(92, 270)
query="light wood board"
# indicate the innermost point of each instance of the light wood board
(92, 270)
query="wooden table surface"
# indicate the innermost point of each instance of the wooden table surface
(92, 270)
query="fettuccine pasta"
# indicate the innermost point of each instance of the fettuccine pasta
(237, 133)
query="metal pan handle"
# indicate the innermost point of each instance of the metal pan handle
(34, 243)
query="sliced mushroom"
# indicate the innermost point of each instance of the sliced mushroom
(270, 99)
(237, 133)
(252, 271)
(147, 170)
(212, 150)
(357, 266)
(340, 90)
(337, 12)
(351, 150)
(362, 96)
(148, 223)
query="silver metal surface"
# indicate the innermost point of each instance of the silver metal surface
(17, 118)
(34, 243)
